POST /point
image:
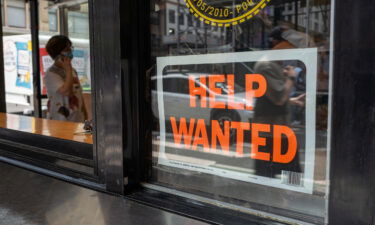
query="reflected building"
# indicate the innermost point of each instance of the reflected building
(315, 17)
(174, 26)
(58, 18)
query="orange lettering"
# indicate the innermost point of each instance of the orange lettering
(200, 91)
(182, 132)
(257, 141)
(213, 79)
(254, 93)
(200, 136)
(278, 131)
(231, 101)
(240, 127)
(223, 137)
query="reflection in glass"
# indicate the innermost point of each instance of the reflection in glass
(216, 136)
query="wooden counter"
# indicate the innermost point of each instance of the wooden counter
(53, 128)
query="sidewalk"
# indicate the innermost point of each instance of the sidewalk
(27, 198)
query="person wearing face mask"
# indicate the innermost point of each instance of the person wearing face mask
(64, 91)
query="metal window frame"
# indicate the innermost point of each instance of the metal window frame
(352, 180)
(2, 77)
(121, 138)
(108, 97)
(34, 27)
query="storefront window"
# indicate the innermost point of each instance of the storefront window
(241, 108)
(63, 105)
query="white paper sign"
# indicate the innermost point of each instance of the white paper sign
(199, 152)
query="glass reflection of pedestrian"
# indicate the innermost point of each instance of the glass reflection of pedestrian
(274, 107)
(64, 91)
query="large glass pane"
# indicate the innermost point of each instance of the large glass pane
(239, 96)
(65, 84)
(73, 22)
(59, 19)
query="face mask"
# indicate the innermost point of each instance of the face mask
(68, 54)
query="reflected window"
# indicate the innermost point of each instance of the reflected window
(52, 20)
(190, 20)
(198, 23)
(181, 19)
(182, 85)
(169, 84)
(172, 16)
(78, 24)
(16, 13)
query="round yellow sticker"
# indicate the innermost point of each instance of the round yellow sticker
(220, 13)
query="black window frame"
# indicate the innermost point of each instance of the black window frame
(120, 60)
